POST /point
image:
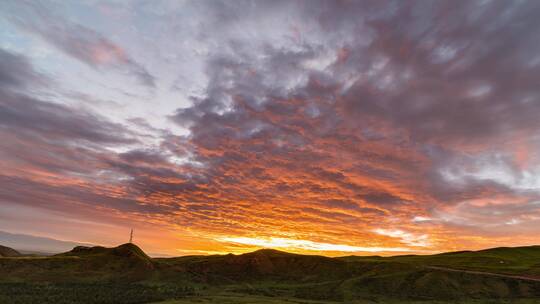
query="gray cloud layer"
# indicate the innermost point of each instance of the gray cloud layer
(75, 40)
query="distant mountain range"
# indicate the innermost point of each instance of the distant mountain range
(125, 274)
(34, 244)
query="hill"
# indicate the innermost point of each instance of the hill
(126, 263)
(524, 261)
(452, 276)
(260, 265)
(8, 252)
(127, 250)
(498, 274)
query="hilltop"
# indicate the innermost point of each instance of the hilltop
(504, 260)
(498, 273)
(265, 264)
(127, 250)
(8, 252)
(82, 264)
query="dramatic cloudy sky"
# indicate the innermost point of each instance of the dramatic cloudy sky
(331, 127)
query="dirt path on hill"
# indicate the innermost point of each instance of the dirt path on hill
(509, 276)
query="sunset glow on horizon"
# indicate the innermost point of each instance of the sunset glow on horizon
(318, 127)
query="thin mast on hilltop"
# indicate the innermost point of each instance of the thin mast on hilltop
(131, 236)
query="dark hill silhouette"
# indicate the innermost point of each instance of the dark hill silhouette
(8, 252)
(128, 257)
(264, 264)
(127, 250)
(123, 263)
(506, 273)
(348, 278)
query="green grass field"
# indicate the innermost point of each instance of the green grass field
(246, 299)
(126, 275)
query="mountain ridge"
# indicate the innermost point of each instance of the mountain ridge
(496, 273)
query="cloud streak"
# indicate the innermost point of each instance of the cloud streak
(78, 41)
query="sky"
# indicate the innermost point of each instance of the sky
(322, 127)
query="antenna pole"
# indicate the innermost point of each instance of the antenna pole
(131, 236)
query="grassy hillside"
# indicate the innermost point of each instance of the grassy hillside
(8, 252)
(82, 264)
(125, 274)
(262, 265)
(243, 299)
(96, 275)
(518, 260)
